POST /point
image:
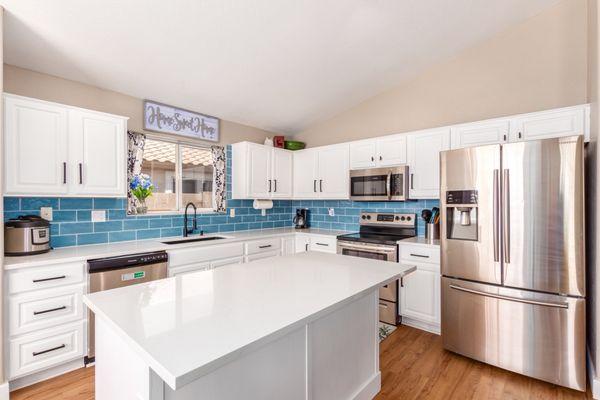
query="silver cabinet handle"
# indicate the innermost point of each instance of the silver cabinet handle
(64, 172)
(50, 310)
(383, 305)
(419, 255)
(269, 186)
(275, 180)
(321, 185)
(315, 185)
(412, 180)
(380, 158)
(520, 135)
(372, 158)
(506, 216)
(510, 298)
(80, 173)
(39, 353)
(496, 216)
(266, 246)
(322, 244)
(49, 279)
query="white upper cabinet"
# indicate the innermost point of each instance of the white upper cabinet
(391, 150)
(362, 154)
(261, 172)
(333, 172)
(423, 159)
(552, 123)
(57, 150)
(480, 133)
(97, 153)
(305, 171)
(381, 152)
(35, 147)
(322, 173)
(282, 173)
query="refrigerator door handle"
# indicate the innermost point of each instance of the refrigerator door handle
(496, 217)
(506, 216)
(510, 298)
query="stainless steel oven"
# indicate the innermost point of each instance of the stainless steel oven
(379, 184)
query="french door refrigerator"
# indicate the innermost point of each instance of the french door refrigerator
(512, 257)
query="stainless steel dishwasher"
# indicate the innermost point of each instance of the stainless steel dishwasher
(116, 272)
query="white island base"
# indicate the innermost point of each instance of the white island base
(301, 327)
(333, 357)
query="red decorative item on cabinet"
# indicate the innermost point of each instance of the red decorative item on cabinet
(278, 141)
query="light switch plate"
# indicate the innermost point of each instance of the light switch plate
(331, 212)
(98, 215)
(263, 212)
(232, 212)
(46, 213)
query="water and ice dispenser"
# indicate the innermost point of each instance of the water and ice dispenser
(461, 214)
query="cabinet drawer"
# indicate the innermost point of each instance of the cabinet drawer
(323, 243)
(43, 309)
(419, 253)
(46, 348)
(264, 245)
(389, 292)
(204, 253)
(387, 312)
(45, 277)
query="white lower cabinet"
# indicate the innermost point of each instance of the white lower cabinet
(325, 244)
(227, 261)
(302, 243)
(189, 268)
(288, 245)
(420, 290)
(46, 348)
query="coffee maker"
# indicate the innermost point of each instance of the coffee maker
(301, 218)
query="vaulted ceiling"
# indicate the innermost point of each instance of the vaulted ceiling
(280, 65)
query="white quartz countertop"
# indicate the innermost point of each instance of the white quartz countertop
(82, 253)
(187, 326)
(420, 241)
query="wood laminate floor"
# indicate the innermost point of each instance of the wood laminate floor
(413, 366)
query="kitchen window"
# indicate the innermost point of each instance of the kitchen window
(181, 173)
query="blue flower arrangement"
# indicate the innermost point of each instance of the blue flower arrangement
(141, 187)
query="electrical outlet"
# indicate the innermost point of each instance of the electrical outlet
(232, 212)
(263, 212)
(46, 213)
(331, 212)
(98, 215)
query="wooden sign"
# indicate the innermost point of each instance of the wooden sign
(168, 119)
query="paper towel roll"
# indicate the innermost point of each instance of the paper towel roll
(262, 204)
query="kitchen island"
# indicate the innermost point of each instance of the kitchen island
(303, 326)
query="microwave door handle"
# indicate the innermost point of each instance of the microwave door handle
(388, 184)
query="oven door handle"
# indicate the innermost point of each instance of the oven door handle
(367, 246)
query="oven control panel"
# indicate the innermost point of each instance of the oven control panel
(395, 219)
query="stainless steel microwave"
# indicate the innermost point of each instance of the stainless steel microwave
(379, 184)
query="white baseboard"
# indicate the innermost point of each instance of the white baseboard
(594, 380)
(369, 389)
(4, 392)
(28, 380)
(432, 328)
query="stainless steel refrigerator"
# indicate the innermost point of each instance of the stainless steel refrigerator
(513, 258)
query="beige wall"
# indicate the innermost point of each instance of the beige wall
(536, 65)
(46, 87)
(592, 187)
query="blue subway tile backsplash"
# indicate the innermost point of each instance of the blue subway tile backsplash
(72, 226)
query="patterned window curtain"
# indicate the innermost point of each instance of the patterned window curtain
(135, 153)
(218, 155)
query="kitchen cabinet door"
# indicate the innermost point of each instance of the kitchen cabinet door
(35, 147)
(362, 154)
(420, 294)
(391, 151)
(260, 184)
(302, 243)
(288, 245)
(423, 158)
(282, 174)
(187, 269)
(304, 170)
(98, 154)
(480, 133)
(333, 172)
(550, 124)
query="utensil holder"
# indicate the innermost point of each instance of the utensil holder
(432, 232)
